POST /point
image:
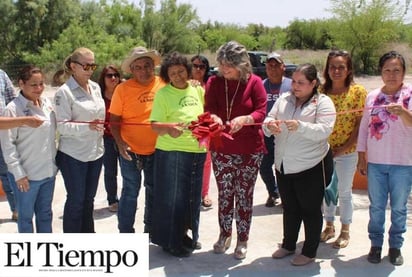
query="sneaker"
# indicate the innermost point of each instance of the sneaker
(395, 256)
(114, 207)
(374, 255)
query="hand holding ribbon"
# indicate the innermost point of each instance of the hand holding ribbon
(207, 131)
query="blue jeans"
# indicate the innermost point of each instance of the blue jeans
(345, 166)
(37, 201)
(10, 189)
(394, 181)
(110, 158)
(266, 168)
(81, 180)
(132, 178)
(177, 194)
(9, 186)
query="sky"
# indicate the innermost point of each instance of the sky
(270, 13)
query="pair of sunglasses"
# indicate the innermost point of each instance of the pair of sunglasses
(112, 75)
(87, 67)
(199, 66)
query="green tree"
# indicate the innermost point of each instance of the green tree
(122, 19)
(365, 29)
(7, 30)
(307, 34)
(178, 27)
(151, 22)
(40, 21)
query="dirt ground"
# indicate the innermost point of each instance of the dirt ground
(373, 82)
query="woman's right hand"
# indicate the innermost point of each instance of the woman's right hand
(217, 120)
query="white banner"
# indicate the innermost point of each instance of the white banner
(44, 255)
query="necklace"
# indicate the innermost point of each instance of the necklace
(229, 107)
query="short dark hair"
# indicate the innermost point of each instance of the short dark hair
(205, 61)
(392, 55)
(27, 71)
(174, 58)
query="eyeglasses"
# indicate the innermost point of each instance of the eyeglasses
(111, 75)
(87, 67)
(199, 66)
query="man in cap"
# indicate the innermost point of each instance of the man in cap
(129, 122)
(275, 84)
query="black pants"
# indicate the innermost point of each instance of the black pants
(302, 195)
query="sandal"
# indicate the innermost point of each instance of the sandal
(206, 202)
(328, 233)
(342, 241)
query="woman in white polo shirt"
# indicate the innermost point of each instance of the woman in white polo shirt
(80, 114)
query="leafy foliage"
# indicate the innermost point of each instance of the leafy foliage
(364, 30)
(44, 32)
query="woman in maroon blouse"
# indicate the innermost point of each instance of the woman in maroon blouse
(236, 100)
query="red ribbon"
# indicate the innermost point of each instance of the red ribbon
(207, 132)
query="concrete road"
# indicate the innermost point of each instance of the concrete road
(266, 233)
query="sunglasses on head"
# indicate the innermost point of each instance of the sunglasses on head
(199, 66)
(87, 67)
(111, 75)
(337, 53)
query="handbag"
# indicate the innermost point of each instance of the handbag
(331, 190)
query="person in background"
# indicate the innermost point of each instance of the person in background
(130, 109)
(7, 94)
(275, 84)
(59, 78)
(80, 114)
(236, 100)
(178, 159)
(108, 80)
(30, 152)
(302, 121)
(347, 96)
(200, 72)
(385, 156)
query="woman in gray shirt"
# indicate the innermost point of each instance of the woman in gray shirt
(30, 152)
